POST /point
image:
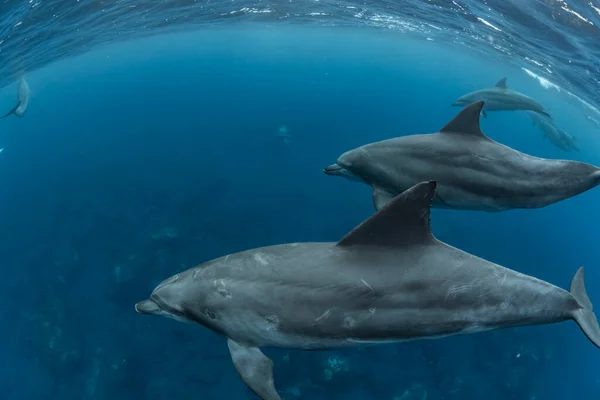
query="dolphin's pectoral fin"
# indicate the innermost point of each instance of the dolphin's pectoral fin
(501, 84)
(12, 111)
(404, 221)
(466, 122)
(484, 114)
(255, 369)
(381, 198)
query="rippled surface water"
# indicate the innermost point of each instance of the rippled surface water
(554, 39)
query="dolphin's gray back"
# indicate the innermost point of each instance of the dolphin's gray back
(500, 99)
(341, 297)
(473, 172)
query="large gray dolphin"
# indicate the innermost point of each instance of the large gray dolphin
(473, 172)
(388, 280)
(557, 136)
(23, 94)
(501, 98)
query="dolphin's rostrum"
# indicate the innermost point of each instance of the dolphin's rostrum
(473, 171)
(388, 280)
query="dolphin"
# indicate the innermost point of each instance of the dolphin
(473, 171)
(23, 94)
(501, 98)
(557, 136)
(388, 280)
(284, 135)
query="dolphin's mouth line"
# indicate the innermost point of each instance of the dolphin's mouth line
(147, 306)
(333, 169)
(338, 169)
(165, 307)
(186, 314)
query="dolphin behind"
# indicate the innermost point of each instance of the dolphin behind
(388, 280)
(557, 136)
(501, 98)
(473, 171)
(23, 94)
(284, 135)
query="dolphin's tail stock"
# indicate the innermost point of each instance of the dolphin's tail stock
(12, 111)
(585, 317)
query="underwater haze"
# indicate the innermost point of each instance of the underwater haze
(144, 152)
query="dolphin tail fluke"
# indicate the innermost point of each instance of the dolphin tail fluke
(585, 317)
(12, 111)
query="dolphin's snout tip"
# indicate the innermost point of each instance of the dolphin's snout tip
(333, 169)
(146, 307)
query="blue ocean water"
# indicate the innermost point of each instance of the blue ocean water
(141, 158)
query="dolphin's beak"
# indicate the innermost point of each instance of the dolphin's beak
(457, 103)
(147, 307)
(334, 169)
(338, 170)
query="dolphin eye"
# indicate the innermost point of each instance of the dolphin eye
(210, 313)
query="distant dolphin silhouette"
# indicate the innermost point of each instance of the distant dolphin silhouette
(388, 280)
(501, 98)
(557, 136)
(284, 135)
(23, 93)
(473, 171)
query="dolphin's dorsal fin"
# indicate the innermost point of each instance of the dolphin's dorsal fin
(403, 221)
(501, 84)
(466, 121)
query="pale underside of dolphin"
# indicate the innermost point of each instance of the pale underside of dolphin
(23, 94)
(501, 98)
(388, 280)
(473, 172)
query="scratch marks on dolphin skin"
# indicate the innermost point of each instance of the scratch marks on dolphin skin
(258, 257)
(456, 290)
(366, 284)
(349, 322)
(326, 314)
(503, 279)
(222, 290)
(483, 158)
(272, 322)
